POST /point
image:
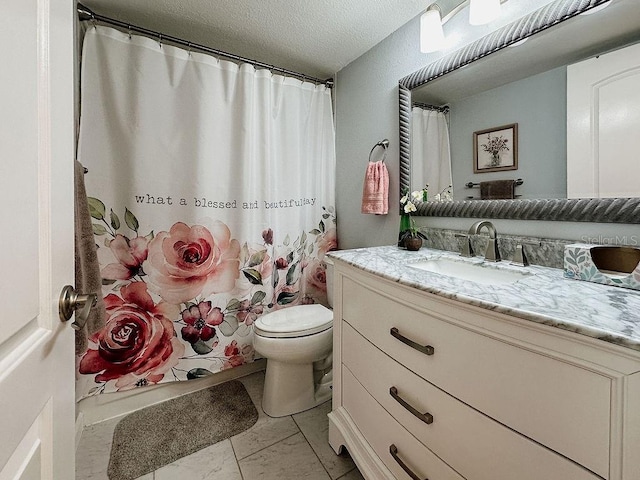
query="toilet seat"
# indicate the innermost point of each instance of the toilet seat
(298, 321)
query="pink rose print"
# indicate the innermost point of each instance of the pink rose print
(189, 261)
(315, 275)
(201, 320)
(123, 259)
(138, 344)
(328, 241)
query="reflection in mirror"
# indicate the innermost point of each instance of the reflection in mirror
(430, 143)
(538, 105)
(527, 85)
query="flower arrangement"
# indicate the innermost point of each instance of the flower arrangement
(494, 146)
(408, 228)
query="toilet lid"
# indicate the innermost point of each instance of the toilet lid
(295, 321)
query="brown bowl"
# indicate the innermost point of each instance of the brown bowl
(615, 259)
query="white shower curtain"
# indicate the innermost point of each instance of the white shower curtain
(211, 186)
(430, 151)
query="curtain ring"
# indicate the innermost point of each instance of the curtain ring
(129, 31)
(382, 143)
(160, 39)
(189, 48)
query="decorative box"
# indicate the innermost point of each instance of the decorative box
(617, 266)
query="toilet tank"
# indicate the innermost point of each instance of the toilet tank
(329, 277)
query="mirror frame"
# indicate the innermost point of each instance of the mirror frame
(598, 210)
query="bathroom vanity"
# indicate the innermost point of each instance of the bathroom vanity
(523, 375)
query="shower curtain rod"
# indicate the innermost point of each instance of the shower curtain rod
(86, 14)
(428, 106)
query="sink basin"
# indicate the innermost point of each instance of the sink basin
(474, 272)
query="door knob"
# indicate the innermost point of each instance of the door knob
(72, 301)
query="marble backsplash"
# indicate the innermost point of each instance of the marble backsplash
(549, 252)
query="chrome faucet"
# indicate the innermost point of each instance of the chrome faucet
(492, 254)
(466, 250)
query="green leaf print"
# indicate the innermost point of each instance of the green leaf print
(99, 229)
(96, 208)
(253, 276)
(131, 220)
(198, 373)
(258, 297)
(286, 298)
(115, 221)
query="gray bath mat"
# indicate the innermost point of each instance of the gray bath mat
(161, 434)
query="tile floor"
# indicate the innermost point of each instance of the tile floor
(288, 448)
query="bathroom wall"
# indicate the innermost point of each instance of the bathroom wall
(538, 105)
(367, 111)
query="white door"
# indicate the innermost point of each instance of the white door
(603, 121)
(36, 239)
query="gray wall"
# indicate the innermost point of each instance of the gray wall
(367, 111)
(538, 105)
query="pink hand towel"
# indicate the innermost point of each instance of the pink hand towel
(375, 192)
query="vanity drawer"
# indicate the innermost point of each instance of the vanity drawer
(478, 447)
(382, 432)
(562, 406)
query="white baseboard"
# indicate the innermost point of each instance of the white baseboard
(103, 407)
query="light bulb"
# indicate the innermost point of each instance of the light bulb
(431, 33)
(483, 11)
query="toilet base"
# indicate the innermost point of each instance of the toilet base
(290, 388)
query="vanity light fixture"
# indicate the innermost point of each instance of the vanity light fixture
(431, 32)
(483, 11)
(431, 22)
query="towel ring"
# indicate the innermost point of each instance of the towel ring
(382, 143)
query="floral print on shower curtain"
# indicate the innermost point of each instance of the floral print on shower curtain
(199, 230)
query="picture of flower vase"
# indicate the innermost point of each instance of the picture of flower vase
(495, 149)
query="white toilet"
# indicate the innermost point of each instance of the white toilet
(297, 343)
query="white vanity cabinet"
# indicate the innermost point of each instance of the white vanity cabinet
(427, 387)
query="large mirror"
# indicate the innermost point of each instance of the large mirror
(510, 96)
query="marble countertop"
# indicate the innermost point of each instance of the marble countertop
(608, 313)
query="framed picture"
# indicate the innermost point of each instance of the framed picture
(495, 149)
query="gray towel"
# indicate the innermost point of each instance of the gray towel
(88, 278)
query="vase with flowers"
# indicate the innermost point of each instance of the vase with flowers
(411, 236)
(494, 146)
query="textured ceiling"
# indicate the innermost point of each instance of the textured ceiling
(314, 37)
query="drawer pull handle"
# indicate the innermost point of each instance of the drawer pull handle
(425, 417)
(393, 450)
(426, 349)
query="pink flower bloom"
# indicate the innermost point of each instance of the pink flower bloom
(124, 257)
(201, 320)
(267, 236)
(236, 356)
(282, 263)
(231, 349)
(315, 275)
(138, 344)
(189, 261)
(248, 313)
(328, 241)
